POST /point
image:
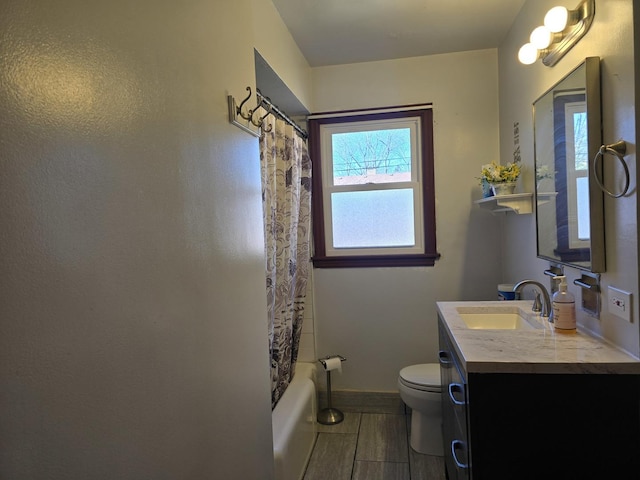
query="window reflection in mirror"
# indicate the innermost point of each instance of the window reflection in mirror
(569, 204)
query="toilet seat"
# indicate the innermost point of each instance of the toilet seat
(424, 377)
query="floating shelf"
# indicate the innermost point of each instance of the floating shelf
(546, 197)
(519, 203)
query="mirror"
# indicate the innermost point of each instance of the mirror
(567, 136)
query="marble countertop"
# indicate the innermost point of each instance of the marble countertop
(541, 350)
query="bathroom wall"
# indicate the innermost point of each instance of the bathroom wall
(383, 319)
(133, 335)
(611, 39)
(307, 352)
(276, 46)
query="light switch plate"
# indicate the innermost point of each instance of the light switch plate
(619, 303)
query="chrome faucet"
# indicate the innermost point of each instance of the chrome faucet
(546, 304)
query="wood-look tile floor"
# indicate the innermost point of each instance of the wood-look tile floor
(370, 446)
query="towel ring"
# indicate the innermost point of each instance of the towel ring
(617, 149)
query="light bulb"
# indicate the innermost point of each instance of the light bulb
(541, 37)
(528, 54)
(556, 19)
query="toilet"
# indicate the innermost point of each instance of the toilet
(420, 389)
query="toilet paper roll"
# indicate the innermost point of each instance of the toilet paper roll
(333, 364)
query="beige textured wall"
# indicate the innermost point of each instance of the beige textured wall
(132, 335)
(611, 39)
(383, 319)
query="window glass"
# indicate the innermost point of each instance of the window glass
(577, 161)
(376, 218)
(372, 156)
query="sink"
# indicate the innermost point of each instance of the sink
(497, 318)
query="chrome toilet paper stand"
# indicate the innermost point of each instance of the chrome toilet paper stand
(330, 415)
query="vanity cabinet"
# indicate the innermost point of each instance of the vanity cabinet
(506, 426)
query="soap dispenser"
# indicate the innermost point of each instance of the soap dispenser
(564, 308)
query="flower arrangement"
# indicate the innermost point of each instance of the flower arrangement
(495, 173)
(543, 172)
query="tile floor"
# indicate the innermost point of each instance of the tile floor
(371, 446)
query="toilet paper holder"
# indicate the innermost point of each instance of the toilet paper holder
(330, 415)
(323, 360)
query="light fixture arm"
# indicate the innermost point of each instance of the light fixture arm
(584, 13)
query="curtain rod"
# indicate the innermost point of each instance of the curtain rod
(275, 110)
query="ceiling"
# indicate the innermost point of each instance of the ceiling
(333, 32)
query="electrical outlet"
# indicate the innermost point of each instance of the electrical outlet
(620, 303)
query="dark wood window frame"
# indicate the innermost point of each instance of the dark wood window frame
(429, 255)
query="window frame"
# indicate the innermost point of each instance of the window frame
(428, 255)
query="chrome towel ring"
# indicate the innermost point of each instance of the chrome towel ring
(617, 149)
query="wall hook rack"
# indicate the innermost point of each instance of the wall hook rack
(236, 113)
(240, 119)
(246, 121)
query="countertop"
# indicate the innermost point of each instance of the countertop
(531, 351)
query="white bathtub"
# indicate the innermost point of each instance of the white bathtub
(294, 424)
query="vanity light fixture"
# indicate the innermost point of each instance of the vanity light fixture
(561, 30)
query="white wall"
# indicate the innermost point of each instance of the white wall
(307, 352)
(274, 42)
(132, 336)
(611, 39)
(383, 319)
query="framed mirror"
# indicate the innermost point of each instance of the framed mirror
(569, 203)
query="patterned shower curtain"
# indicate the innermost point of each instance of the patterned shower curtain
(286, 200)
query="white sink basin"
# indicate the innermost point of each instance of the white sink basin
(496, 318)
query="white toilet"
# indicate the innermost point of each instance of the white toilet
(420, 389)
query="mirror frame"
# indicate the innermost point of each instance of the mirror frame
(596, 262)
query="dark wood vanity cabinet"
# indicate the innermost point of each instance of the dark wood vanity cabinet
(518, 426)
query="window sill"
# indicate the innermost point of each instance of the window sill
(368, 261)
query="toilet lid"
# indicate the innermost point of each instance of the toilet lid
(425, 376)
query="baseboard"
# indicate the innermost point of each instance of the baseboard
(364, 402)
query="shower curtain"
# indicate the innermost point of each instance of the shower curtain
(286, 200)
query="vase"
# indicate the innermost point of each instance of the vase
(504, 188)
(486, 189)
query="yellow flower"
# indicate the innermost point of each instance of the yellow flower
(495, 173)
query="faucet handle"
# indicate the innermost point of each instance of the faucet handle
(537, 303)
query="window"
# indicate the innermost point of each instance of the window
(577, 153)
(571, 159)
(373, 194)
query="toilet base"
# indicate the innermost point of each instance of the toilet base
(426, 437)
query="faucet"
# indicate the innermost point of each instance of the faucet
(546, 305)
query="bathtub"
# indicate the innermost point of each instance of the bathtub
(294, 424)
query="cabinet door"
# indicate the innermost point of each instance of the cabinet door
(457, 397)
(448, 415)
(454, 414)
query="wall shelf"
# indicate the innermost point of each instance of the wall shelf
(546, 197)
(519, 203)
